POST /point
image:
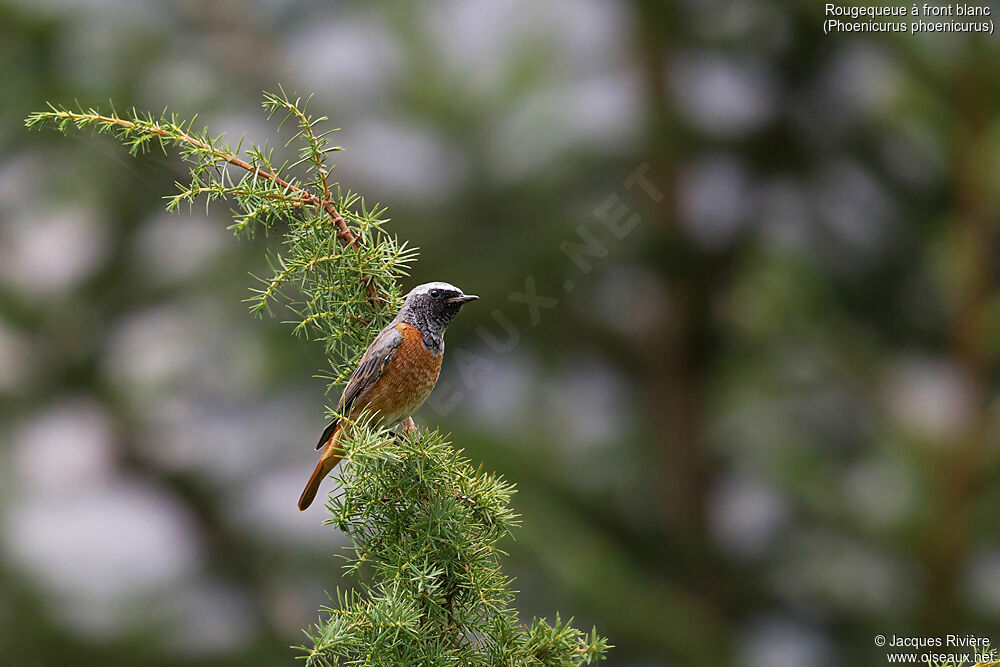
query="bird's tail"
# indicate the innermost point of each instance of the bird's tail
(328, 459)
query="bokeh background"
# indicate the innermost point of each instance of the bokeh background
(760, 429)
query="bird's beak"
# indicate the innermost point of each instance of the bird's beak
(464, 298)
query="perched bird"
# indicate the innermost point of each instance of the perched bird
(396, 373)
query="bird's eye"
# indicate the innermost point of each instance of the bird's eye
(435, 293)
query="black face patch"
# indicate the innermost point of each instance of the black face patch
(428, 309)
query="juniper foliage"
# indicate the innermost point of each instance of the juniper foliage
(424, 523)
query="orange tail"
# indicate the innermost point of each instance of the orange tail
(328, 459)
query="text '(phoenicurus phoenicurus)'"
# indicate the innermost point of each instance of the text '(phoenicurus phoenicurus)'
(396, 373)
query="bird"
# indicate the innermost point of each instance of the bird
(396, 373)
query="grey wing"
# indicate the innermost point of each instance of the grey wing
(367, 373)
(370, 367)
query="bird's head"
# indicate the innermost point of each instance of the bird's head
(432, 306)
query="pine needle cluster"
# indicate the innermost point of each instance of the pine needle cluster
(338, 270)
(424, 523)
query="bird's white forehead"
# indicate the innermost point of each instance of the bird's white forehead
(427, 287)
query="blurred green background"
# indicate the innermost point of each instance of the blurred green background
(760, 428)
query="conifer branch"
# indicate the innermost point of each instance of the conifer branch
(139, 131)
(314, 273)
(424, 523)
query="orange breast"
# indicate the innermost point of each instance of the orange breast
(408, 378)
